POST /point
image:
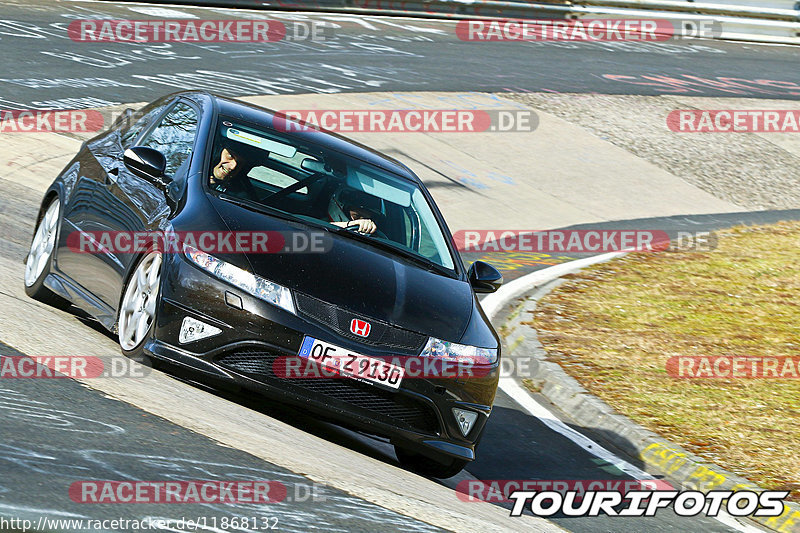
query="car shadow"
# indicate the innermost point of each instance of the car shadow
(370, 445)
(515, 446)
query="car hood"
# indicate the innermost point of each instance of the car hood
(358, 277)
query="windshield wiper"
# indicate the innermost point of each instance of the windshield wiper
(388, 246)
(261, 208)
(377, 242)
(285, 215)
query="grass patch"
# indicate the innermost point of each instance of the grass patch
(614, 325)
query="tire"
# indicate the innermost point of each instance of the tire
(421, 464)
(138, 305)
(39, 262)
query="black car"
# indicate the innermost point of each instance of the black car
(154, 227)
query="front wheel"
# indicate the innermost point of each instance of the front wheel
(40, 257)
(137, 310)
(421, 464)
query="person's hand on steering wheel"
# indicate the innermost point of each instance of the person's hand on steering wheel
(361, 221)
(362, 225)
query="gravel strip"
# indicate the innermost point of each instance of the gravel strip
(743, 168)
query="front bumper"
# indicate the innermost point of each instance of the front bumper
(254, 334)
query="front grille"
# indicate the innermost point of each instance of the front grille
(258, 364)
(381, 333)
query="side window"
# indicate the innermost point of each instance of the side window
(146, 116)
(174, 136)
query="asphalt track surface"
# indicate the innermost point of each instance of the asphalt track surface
(57, 431)
(43, 67)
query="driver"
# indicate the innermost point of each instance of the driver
(358, 210)
(228, 175)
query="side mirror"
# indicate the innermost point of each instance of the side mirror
(484, 277)
(147, 163)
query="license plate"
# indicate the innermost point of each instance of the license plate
(350, 364)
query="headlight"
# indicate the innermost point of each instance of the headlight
(459, 352)
(256, 285)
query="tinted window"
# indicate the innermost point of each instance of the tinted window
(141, 119)
(322, 186)
(174, 136)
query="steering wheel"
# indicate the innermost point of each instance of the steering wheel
(378, 233)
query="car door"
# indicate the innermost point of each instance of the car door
(89, 173)
(80, 180)
(128, 204)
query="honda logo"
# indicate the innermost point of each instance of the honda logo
(360, 327)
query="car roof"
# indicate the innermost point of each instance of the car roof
(325, 139)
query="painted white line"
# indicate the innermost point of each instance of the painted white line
(39, 511)
(161, 12)
(521, 396)
(493, 303)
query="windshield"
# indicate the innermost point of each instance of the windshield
(311, 183)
